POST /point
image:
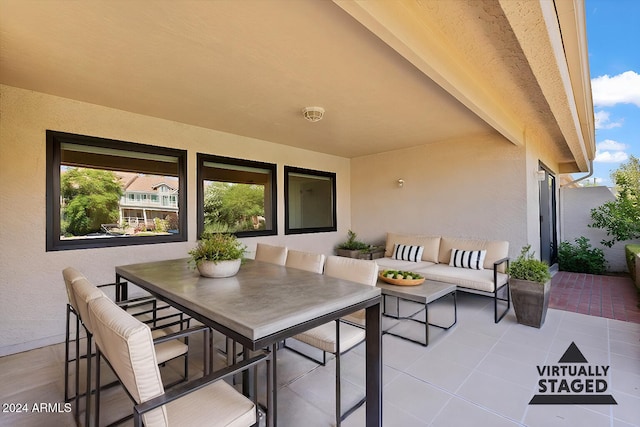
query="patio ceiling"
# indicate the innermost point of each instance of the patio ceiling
(390, 75)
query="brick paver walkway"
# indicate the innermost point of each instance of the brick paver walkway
(612, 297)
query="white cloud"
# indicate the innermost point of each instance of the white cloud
(603, 122)
(610, 151)
(611, 156)
(620, 89)
(611, 145)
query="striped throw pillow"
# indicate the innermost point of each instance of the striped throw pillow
(408, 252)
(468, 259)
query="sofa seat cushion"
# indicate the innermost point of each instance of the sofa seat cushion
(481, 280)
(388, 263)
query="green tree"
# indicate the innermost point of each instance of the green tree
(91, 197)
(621, 217)
(233, 205)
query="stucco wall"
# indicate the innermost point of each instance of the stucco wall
(32, 295)
(467, 188)
(576, 205)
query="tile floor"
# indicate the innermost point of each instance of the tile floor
(613, 297)
(477, 373)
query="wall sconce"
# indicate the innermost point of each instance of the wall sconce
(541, 175)
(401, 183)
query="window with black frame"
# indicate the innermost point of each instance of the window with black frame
(310, 201)
(104, 192)
(236, 196)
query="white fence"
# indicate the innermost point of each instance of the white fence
(575, 214)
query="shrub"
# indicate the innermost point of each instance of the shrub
(527, 267)
(217, 247)
(581, 257)
(631, 252)
(160, 225)
(352, 244)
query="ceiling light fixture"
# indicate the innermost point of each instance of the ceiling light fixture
(313, 114)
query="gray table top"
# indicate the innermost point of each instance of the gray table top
(262, 299)
(428, 291)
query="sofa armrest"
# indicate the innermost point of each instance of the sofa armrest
(501, 261)
(495, 270)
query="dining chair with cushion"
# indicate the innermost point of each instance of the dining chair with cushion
(127, 346)
(70, 275)
(271, 254)
(307, 261)
(145, 306)
(356, 271)
(339, 337)
(168, 345)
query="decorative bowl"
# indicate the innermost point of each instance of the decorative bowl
(413, 281)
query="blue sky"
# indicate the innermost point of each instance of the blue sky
(613, 37)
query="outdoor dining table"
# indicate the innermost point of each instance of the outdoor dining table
(264, 304)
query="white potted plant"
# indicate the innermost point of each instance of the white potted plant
(530, 285)
(218, 255)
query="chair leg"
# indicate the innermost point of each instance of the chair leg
(66, 355)
(338, 394)
(97, 403)
(77, 379)
(87, 397)
(275, 383)
(186, 360)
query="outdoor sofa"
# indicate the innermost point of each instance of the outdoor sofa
(477, 266)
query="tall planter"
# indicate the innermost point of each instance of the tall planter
(530, 301)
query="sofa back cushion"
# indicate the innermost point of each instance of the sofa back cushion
(431, 245)
(496, 249)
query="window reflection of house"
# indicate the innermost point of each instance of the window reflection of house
(146, 197)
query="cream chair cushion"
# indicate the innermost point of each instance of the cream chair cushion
(70, 275)
(305, 261)
(84, 293)
(217, 405)
(355, 270)
(270, 253)
(128, 346)
(324, 337)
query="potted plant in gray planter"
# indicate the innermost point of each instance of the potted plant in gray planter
(372, 252)
(218, 255)
(530, 285)
(352, 248)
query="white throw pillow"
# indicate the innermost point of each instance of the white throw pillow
(468, 259)
(408, 253)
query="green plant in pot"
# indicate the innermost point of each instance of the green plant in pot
(352, 247)
(218, 255)
(530, 285)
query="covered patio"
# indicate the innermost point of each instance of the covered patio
(477, 373)
(442, 118)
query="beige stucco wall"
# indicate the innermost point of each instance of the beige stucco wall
(474, 188)
(32, 295)
(576, 205)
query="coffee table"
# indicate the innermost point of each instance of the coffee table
(425, 293)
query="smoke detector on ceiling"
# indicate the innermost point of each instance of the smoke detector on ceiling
(313, 114)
